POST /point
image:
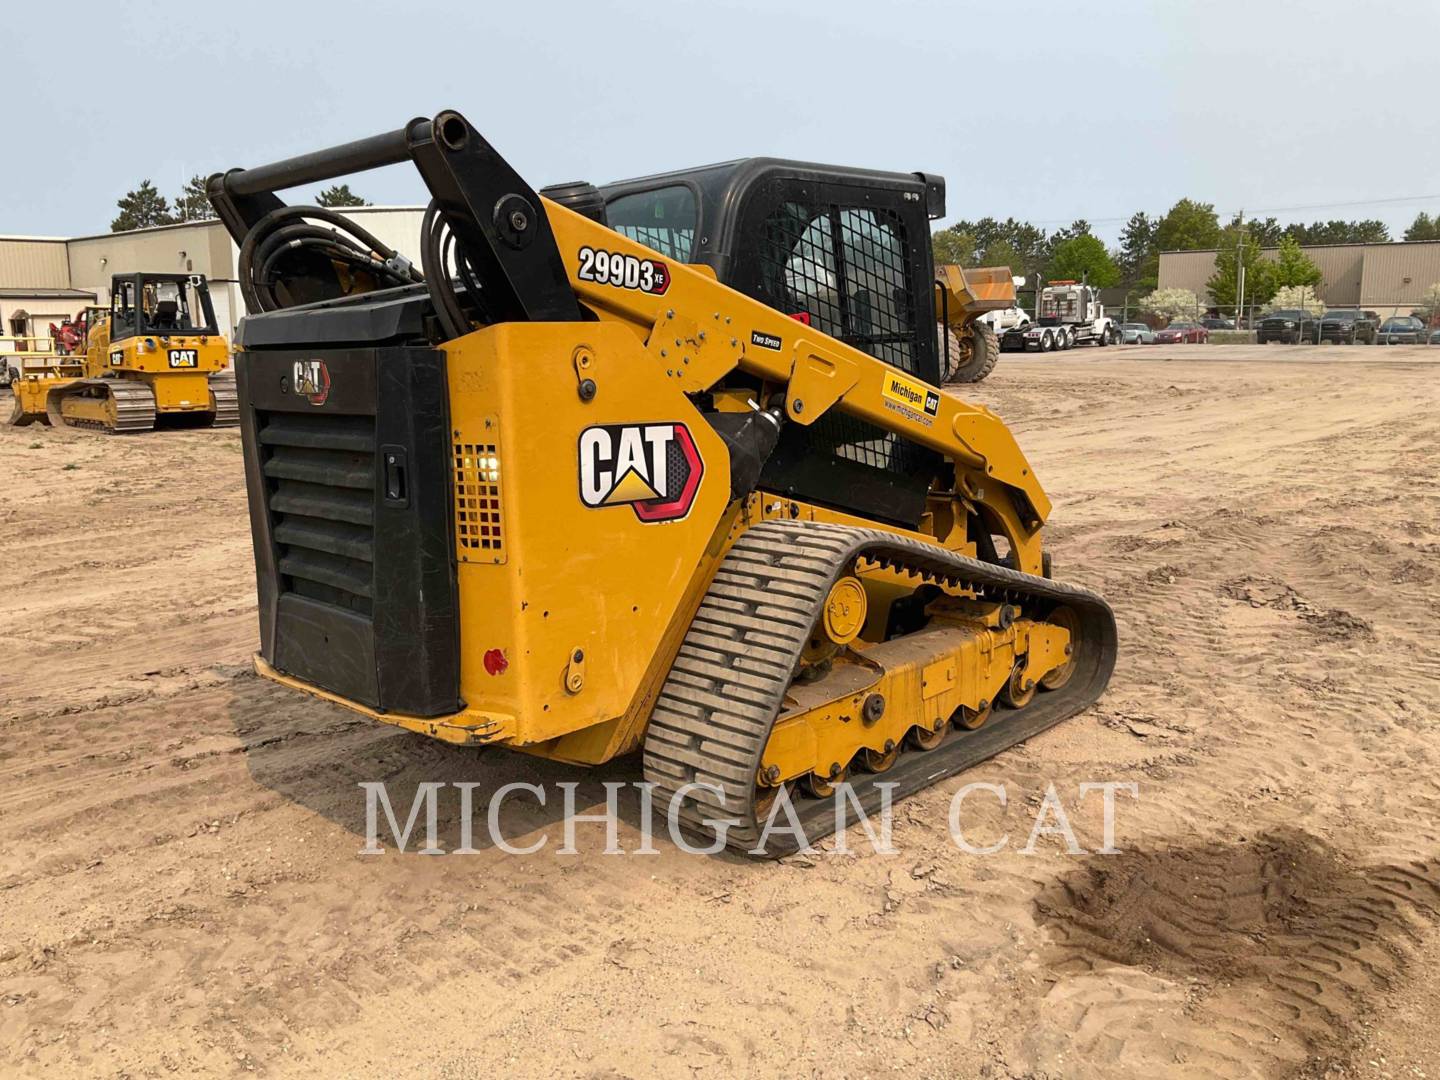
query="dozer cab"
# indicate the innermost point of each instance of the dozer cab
(561, 488)
(155, 351)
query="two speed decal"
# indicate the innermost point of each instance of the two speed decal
(623, 271)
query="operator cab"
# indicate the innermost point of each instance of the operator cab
(844, 250)
(160, 304)
(1065, 302)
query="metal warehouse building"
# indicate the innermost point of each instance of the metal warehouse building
(45, 280)
(1387, 278)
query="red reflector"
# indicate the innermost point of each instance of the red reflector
(801, 316)
(495, 662)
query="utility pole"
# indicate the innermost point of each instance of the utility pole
(1240, 269)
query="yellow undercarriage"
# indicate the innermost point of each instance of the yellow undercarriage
(868, 696)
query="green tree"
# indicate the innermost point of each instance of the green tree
(1294, 267)
(141, 208)
(1266, 232)
(1188, 226)
(1238, 248)
(1002, 253)
(1078, 227)
(1016, 244)
(953, 248)
(1339, 232)
(1139, 259)
(192, 204)
(1424, 227)
(339, 195)
(1083, 258)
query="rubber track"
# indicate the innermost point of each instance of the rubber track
(726, 686)
(134, 405)
(226, 398)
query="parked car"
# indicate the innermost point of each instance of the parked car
(1182, 333)
(1402, 330)
(1287, 325)
(1137, 333)
(1214, 322)
(1435, 336)
(1348, 327)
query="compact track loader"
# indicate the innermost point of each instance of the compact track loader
(155, 351)
(659, 467)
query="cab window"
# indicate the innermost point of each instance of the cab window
(663, 219)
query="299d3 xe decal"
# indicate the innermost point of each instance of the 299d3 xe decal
(653, 468)
(623, 271)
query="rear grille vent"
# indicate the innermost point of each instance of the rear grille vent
(320, 481)
(478, 530)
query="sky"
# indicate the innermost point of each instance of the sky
(1045, 111)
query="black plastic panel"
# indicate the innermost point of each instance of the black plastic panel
(347, 459)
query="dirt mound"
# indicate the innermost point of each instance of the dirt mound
(1277, 932)
(1270, 593)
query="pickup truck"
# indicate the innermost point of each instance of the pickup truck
(1286, 325)
(1349, 327)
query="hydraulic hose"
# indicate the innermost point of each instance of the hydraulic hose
(289, 228)
(457, 312)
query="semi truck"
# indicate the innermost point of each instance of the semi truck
(1069, 313)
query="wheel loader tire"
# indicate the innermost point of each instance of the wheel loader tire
(974, 357)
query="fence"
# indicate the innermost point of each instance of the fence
(1223, 319)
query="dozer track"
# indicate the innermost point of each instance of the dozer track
(226, 399)
(730, 677)
(119, 406)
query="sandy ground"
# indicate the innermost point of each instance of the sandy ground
(181, 889)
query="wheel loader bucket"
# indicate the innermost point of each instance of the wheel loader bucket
(965, 294)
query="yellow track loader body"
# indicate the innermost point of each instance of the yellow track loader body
(568, 494)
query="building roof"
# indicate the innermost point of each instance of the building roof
(46, 294)
(1309, 247)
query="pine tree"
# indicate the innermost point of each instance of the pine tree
(339, 195)
(1137, 251)
(141, 209)
(1424, 227)
(192, 204)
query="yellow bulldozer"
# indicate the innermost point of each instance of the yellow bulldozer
(661, 466)
(154, 352)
